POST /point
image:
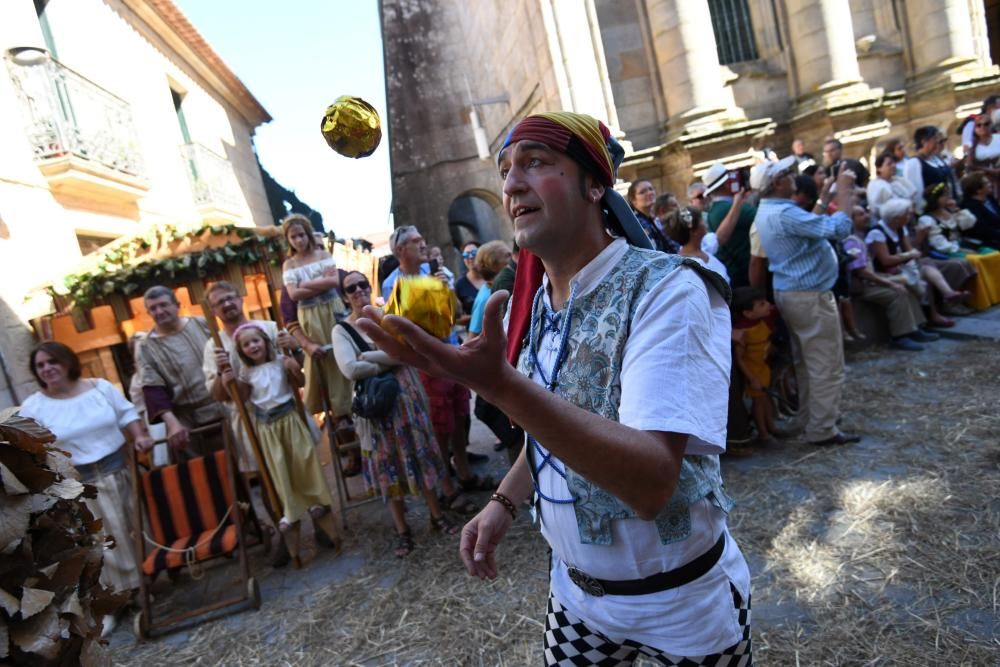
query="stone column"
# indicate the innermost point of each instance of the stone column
(690, 74)
(577, 53)
(821, 36)
(941, 40)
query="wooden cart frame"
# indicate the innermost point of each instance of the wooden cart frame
(144, 624)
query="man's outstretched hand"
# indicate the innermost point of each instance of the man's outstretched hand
(480, 364)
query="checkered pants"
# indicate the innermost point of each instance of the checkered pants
(570, 643)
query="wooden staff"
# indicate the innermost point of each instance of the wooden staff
(234, 395)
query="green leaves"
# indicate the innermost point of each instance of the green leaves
(127, 270)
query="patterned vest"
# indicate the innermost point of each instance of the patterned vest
(590, 378)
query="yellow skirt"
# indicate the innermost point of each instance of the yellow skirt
(290, 454)
(317, 323)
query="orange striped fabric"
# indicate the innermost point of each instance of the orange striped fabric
(185, 503)
(208, 546)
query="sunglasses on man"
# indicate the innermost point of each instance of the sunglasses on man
(469, 254)
(354, 287)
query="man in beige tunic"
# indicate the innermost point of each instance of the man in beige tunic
(173, 384)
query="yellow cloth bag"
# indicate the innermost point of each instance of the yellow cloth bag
(425, 301)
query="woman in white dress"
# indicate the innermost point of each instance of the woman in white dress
(87, 416)
(313, 281)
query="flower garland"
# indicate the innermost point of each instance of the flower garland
(124, 270)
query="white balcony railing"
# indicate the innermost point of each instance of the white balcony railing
(213, 180)
(68, 115)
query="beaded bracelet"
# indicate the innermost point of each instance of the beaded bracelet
(506, 502)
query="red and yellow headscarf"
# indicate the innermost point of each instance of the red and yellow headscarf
(583, 138)
(589, 142)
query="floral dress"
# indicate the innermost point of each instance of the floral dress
(400, 455)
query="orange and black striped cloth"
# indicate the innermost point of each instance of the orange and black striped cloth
(186, 503)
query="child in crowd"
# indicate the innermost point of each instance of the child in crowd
(267, 380)
(751, 350)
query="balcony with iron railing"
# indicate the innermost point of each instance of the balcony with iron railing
(83, 137)
(217, 194)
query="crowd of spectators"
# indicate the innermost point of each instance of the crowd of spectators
(799, 241)
(811, 238)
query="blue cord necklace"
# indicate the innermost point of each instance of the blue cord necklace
(550, 323)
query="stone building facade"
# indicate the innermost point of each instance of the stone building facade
(682, 82)
(117, 115)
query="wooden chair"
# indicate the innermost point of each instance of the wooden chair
(340, 447)
(195, 515)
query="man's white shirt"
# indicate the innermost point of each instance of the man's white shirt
(674, 378)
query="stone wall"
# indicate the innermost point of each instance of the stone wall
(440, 56)
(860, 70)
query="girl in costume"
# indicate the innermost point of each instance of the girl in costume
(267, 380)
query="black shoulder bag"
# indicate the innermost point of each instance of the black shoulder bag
(374, 397)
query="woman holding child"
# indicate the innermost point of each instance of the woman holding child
(900, 304)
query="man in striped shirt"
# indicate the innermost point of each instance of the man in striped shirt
(804, 265)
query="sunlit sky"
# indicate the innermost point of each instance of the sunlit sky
(296, 58)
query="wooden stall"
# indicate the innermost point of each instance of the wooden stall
(98, 306)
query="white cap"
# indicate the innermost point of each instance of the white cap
(765, 173)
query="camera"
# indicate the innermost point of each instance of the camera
(737, 180)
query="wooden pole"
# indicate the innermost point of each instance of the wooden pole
(234, 395)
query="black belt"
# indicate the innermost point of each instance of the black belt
(655, 583)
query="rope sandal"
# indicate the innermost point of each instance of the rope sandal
(404, 544)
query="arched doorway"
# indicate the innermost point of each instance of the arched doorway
(477, 216)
